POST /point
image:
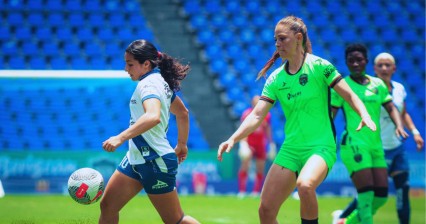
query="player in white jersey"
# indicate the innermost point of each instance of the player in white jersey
(395, 154)
(150, 163)
(398, 166)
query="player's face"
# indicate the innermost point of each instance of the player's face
(384, 68)
(285, 41)
(134, 68)
(356, 63)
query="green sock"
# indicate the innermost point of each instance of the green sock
(378, 202)
(353, 218)
(364, 212)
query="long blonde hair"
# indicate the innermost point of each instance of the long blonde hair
(297, 25)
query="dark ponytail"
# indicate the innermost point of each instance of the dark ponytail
(172, 71)
(170, 68)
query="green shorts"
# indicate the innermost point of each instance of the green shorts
(358, 158)
(295, 158)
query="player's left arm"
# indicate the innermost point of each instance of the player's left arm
(396, 118)
(182, 119)
(343, 89)
(408, 122)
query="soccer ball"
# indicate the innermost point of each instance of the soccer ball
(86, 186)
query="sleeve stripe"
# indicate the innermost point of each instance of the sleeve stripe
(390, 101)
(149, 97)
(269, 100)
(336, 80)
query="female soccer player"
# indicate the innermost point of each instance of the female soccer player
(395, 154)
(150, 163)
(362, 151)
(302, 85)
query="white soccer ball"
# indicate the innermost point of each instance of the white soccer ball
(86, 186)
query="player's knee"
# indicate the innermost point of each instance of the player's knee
(305, 188)
(104, 204)
(401, 180)
(265, 210)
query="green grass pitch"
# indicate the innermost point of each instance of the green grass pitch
(57, 209)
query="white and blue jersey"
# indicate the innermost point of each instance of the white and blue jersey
(152, 143)
(389, 138)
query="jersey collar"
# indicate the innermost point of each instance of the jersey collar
(155, 70)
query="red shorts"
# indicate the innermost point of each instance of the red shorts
(258, 151)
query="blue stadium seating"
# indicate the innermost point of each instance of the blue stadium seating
(392, 27)
(236, 36)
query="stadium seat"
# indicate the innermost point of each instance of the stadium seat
(37, 63)
(36, 19)
(191, 7)
(58, 63)
(15, 19)
(212, 7)
(17, 62)
(73, 5)
(35, 5)
(84, 34)
(76, 20)
(50, 49)
(56, 19)
(219, 66)
(23, 33)
(53, 5)
(96, 20)
(105, 34)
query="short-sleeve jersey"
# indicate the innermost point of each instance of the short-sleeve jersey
(258, 136)
(389, 138)
(305, 100)
(152, 143)
(373, 95)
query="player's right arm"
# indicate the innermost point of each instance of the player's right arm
(250, 123)
(408, 122)
(343, 89)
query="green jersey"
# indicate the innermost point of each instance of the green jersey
(373, 95)
(305, 100)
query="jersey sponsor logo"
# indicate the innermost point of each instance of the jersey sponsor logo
(160, 184)
(303, 79)
(284, 86)
(371, 92)
(328, 70)
(168, 91)
(291, 95)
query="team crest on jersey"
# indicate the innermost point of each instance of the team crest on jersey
(303, 79)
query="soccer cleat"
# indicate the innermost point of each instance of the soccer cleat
(336, 216)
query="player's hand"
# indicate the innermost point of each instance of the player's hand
(419, 142)
(225, 147)
(111, 144)
(366, 121)
(181, 151)
(400, 133)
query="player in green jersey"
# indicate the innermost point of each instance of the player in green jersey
(302, 85)
(362, 151)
